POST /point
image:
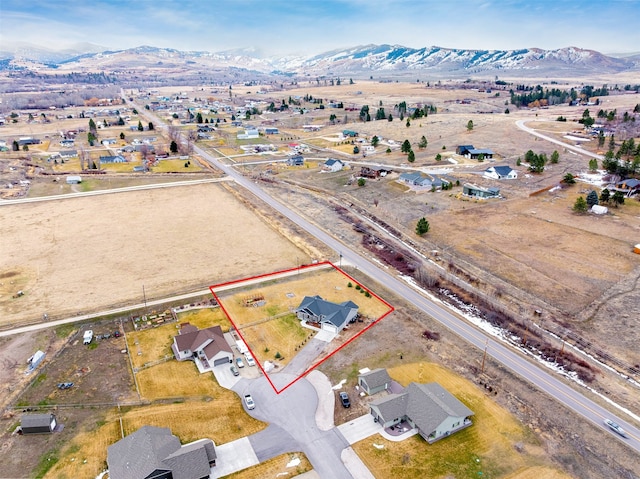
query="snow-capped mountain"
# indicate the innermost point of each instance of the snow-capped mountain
(360, 60)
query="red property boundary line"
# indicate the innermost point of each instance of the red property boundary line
(292, 270)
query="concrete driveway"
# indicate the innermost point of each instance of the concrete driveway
(233, 456)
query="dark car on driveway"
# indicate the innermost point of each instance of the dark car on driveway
(344, 399)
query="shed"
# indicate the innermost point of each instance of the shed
(599, 210)
(374, 381)
(35, 360)
(38, 423)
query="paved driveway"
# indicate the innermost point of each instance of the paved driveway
(233, 456)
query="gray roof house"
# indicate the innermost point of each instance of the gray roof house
(474, 153)
(501, 173)
(38, 423)
(415, 179)
(207, 347)
(462, 149)
(375, 381)
(153, 452)
(332, 317)
(429, 408)
(333, 165)
(476, 191)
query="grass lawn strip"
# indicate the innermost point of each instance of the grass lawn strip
(487, 447)
(173, 379)
(280, 335)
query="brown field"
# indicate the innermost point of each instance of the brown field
(278, 335)
(84, 254)
(488, 448)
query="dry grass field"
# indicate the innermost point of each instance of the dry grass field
(277, 337)
(489, 448)
(176, 379)
(84, 254)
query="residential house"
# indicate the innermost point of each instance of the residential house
(501, 173)
(68, 153)
(112, 159)
(476, 191)
(330, 316)
(153, 452)
(249, 134)
(297, 160)
(271, 131)
(332, 165)
(629, 187)
(38, 423)
(374, 171)
(429, 408)
(28, 141)
(375, 381)
(477, 153)
(422, 181)
(463, 149)
(207, 347)
(349, 133)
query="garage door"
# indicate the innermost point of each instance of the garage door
(329, 327)
(221, 361)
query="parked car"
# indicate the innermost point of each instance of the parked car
(116, 334)
(234, 370)
(250, 360)
(248, 400)
(344, 399)
(239, 362)
(65, 385)
(615, 427)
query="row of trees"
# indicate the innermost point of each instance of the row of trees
(582, 205)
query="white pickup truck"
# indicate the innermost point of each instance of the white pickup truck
(87, 337)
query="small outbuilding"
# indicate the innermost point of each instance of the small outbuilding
(636, 249)
(38, 423)
(74, 180)
(375, 381)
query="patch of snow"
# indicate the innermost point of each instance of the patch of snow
(555, 188)
(576, 138)
(595, 179)
(473, 315)
(339, 385)
(378, 446)
(294, 462)
(102, 474)
(451, 160)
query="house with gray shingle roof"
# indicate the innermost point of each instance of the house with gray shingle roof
(429, 408)
(501, 173)
(330, 316)
(207, 347)
(332, 165)
(155, 452)
(374, 381)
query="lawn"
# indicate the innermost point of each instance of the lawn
(276, 467)
(176, 379)
(280, 335)
(170, 166)
(488, 448)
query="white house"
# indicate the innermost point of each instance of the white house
(248, 134)
(501, 173)
(332, 165)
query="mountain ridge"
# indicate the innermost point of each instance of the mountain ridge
(355, 60)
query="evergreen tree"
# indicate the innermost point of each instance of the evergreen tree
(470, 125)
(580, 206)
(199, 118)
(592, 198)
(173, 148)
(411, 157)
(92, 125)
(140, 127)
(605, 196)
(555, 156)
(374, 141)
(422, 227)
(15, 146)
(423, 142)
(151, 127)
(618, 198)
(390, 118)
(122, 135)
(593, 164)
(405, 147)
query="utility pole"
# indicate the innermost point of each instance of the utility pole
(144, 296)
(484, 356)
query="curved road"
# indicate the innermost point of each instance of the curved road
(512, 359)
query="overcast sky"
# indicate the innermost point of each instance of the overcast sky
(279, 27)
